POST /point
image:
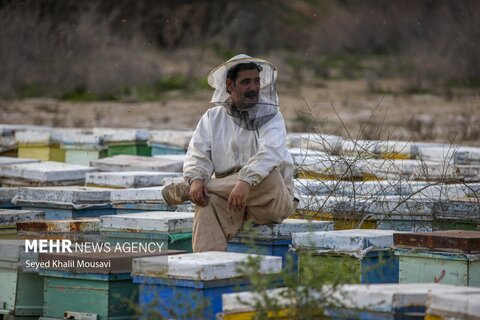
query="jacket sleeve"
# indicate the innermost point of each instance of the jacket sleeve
(272, 144)
(198, 163)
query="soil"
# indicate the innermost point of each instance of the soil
(338, 107)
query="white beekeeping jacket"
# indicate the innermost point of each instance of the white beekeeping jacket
(219, 145)
(227, 139)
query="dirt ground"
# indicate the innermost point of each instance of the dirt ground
(338, 107)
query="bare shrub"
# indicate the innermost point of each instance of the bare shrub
(61, 56)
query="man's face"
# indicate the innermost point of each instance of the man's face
(246, 88)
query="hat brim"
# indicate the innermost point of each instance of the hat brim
(220, 72)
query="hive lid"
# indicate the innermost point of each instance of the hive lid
(113, 262)
(157, 221)
(178, 138)
(9, 218)
(360, 188)
(138, 163)
(126, 135)
(454, 305)
(355, 241)
(203, 266)
(136, 195)
(35, 136)
(391, 297)
(285, 229)
(130, 179)
(46, 171)
(81, 138)
(11, 160)
(384, 298)
(7, 194)
(74, 196)
(456, 240)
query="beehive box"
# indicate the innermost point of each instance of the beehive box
(41, 144)
(419, 213)
(139, 200)
(169, 141)
(81, 148)
(138, 163)
(457, 214)
(402, 213)
(8, 146)
(79, 230)
(467, 156)
(66, 202)
(130, 179)
(386, 301)
(193, 282)
(321, 142)
(172, 230)
(345, 212)
(43, 174)
(404, 169)
(354, 256)
(448, 257)
(21, 292)
(376, 301)
(327, 167)
(103, 290)
(6, 197)
(443, 306)
(129, 142)
(9, 219)
(371, 189)
(274, 239)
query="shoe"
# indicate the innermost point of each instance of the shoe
(176, 193)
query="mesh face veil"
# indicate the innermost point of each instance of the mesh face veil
(266, 108)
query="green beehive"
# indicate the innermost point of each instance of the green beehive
(21, 291)
(449, 257)
(172, 230)
(350, 256)
(82, 291)
(81, 148)
(130, 142)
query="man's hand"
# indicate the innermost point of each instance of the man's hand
(238, 197)
(198, 193)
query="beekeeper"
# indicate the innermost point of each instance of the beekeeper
(237, 166)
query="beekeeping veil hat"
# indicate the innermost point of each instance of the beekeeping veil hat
(267, 106)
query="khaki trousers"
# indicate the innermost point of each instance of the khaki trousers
(268, 202)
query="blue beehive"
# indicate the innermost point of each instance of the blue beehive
(164, 142)
(191, 285)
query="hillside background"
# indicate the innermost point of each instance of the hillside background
(371, 69)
